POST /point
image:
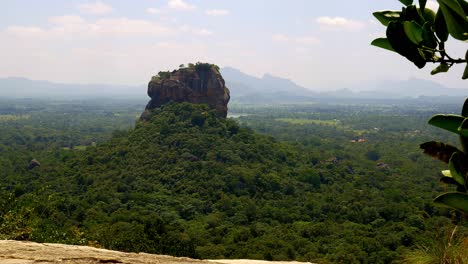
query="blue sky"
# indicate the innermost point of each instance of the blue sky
(318, 44)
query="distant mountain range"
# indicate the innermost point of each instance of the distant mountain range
(243, 84)
(24, 88)
(403, 89)
(244, 89)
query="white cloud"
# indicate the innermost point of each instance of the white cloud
(97, 8)
(300, 41)
(97, 52)
(67, 20)
(21, 31)
(76, 27)
(185, 28)
(217, 12)
(67, 26)
(153, 11)
(195, 31)
(280, 38)
(308, 40)
(432, 5)
(126, 26)
(339, 23)
(180, 5)
(202, 32)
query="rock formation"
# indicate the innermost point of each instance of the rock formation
(24, 252)
(33, 164)
(199, 84)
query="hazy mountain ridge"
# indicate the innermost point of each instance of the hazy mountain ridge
(17, 87)
(268, 83)
(244, 88)
(249, 89)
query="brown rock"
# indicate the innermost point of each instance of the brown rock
(22, 252)
(383, 166)
(18, 252)
(33, 164)
(199, 84)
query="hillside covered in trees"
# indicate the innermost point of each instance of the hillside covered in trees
(189, 183)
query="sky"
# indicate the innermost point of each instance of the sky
(321, 45)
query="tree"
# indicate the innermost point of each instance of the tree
(420, 34)
(456, 159)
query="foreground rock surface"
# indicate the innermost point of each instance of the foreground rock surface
(22, 252)
(198, 84)
(19, 252)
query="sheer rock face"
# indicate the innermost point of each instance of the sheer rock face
(192, 85)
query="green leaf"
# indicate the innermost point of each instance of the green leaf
(422, 4)
(399, 41)
(453, 5)
(465, 73)
(386, 17)
(382, 43)
(463, 129)
(447, 122)
(428, 36)
(441, 26)
(465, 107)
(407, 2)
(455, 166)
(411, 13)
(457, 25)
(455, 200)
(443, 67)
(464, 5)
(429, 15)
(448, 180)
(439, 150)
(413, 31)
(447, 173)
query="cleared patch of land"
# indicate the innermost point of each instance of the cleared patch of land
(303, 121)
(13, 117)
(334, 123)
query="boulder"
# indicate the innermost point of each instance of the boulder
(198, 84)
(33, 164)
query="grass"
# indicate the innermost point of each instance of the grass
(450, 248)
(301, 121)
(6, 118)
(335, 123)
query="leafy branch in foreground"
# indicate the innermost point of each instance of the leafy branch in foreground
(420, 34)
(457, 159)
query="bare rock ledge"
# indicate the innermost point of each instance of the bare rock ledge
(22, 252)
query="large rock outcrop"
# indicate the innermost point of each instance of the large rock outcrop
(198, 84)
